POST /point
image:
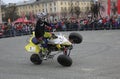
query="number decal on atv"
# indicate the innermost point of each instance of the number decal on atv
(32, 49)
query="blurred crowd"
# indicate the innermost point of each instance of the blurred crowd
(65, 24)
(9, 30)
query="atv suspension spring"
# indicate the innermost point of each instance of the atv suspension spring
(65, 51)
(69, 52)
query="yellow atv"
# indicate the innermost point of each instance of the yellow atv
(56, 44)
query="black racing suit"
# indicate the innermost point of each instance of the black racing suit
(40, 28)
(40, 31)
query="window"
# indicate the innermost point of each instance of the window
(54, 3)
(31, 5)
(38, 5)
(32, 11)
(50, 9)
(81, 3)
(65, 9)
(46, 10)
(50, 4)
(76, 3)
(72, 3)
(36, 10)
(61, 8)
(61, 3)
(43, 10)
(69, 8)
(68, 3)
(65, 3)
(55, 9)
(39, 10)
(88, 3)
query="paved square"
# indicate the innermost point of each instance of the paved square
(97, 57)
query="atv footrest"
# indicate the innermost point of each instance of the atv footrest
(50, 56)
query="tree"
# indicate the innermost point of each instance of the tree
(64, 12)
(96, 9)
(87, 10)
(71, 9)
(77, 11)
(10, 12)
(114, 8)
(74, 9)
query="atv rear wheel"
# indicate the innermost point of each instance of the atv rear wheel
(35, 59)
(75, 38)
(64, 60)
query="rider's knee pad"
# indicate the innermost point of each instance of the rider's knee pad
(58, 46)
(47, 35)
(35, 41)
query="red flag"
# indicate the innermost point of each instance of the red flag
(109, 5)
(118, 6)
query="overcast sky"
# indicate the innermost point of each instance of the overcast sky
(13, 1)
(16, 1)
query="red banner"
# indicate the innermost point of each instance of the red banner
(118, 6)
(109, 5)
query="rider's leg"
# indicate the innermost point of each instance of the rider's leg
(44, 48)
(45, 45)
(51, 36)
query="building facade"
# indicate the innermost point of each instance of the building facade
(110, 7)
(55, 8)
(0, 12)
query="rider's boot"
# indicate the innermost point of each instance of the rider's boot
(44, 52)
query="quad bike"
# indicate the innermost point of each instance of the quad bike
(66, 46)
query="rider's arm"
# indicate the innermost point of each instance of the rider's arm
(48, 26)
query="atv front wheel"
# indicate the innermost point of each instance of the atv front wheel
(64, 60)
(35, 59)
(75, 38)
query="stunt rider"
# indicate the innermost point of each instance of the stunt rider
(40, 33)
(41, 26)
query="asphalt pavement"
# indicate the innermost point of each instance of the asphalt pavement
(97, 57)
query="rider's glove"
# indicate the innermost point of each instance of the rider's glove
(40, 39)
